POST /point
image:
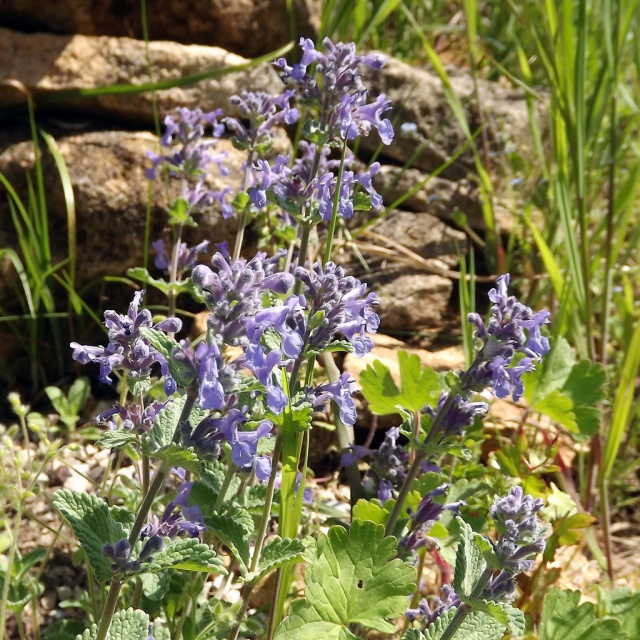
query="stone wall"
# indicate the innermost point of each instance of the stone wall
(61, 49)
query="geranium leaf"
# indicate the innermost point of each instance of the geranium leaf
(353, 578)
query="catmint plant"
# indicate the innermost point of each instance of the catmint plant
(228, 443)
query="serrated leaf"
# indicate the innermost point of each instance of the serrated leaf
(175, 456)
(164, 343)
(567, 392)
(155, 585)
(370, 511)
(122, 515)
(187, 554)
(588, 420)
(353, 578)
(277, 553)
(475, 626)
(166, 422)
(470, 562)
(505, 614)
(585, 384)
(93, 525)
(129, 624)
(299, 418)
(233, 535)
(418, 386)
(551, 374)
(206, 490)
(564, 618)
(116, 439)
(559, 407)
(624, 605)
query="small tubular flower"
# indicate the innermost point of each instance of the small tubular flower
(513, 328)
(331, 81)
(127, 351)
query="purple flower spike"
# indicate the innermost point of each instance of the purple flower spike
(459, 414)
(340, 392)
(233, 292)
(191, 156)
(519, 528)
(187, 256)
(344, 303)
(178, 518)
(513, 327)
(335, 87)
(424, 518)
(244, 450)
(262, 112)
(127, 350)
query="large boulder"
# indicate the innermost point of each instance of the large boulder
(438, 196)
(48, 64)
(111, 191)
(418, 97)
(408, 257)
(248, 27)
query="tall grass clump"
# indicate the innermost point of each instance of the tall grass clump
(577, 63)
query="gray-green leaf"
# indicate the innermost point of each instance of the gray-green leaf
(129, 624)
(187, 554)
(470, 562)
(93, 525)
(233, 533)
(475, 626)
(116, 439)
(277, 553)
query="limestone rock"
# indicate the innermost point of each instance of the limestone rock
(46, 64)
(110, 188)
(417, 97)
(421, 233)
(438, 196)
(411, 300)
(248, 27)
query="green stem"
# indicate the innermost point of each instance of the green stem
(345, 433)
(262, 531)
(145, 507)
(137, 594)
(9, 567)
(414, 469)
(465, 609)
(25, 435)
(231, 471)
(242, 219)
(109, 608)
(606, 524)
(146, 474)
(173, 272)
(268, 502)
(336, 201)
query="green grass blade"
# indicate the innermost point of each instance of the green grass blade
(384, 10)
(69, 200)
(22, 274)
(623, 402)
(130, 89)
